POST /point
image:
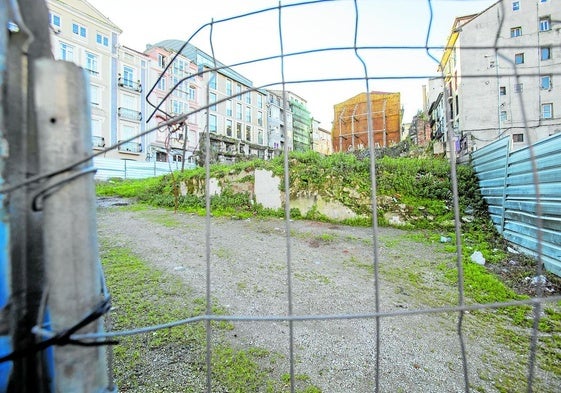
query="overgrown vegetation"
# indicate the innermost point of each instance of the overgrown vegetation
(144, 296)
(420, 186)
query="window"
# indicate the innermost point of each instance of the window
(248, 133)
(79, 30)
(545, 53)
(238, 91)
(178, 107)
(212, 123)
(516, 31)
(66, 52)
(259, 101)
(54, 19)
(518, 137)
(212, 81)
(212, 99)
(161, 83)
(248, 114)
(503, 116)
(248, 97)
(260, 137)
(179, 67)
(519, 58)
(518, 87)
(228, 87)
(238, 111)
(239, 130)
(545, 23)
(515, 5)
(545, 82)
(92, 63)
(192, 93)
(127, 131)
(228, 127)
(547, 111)
(229, 108)
(161, 61)
(128, 101)
(260, 118)
(102, 39)
(128, 76)
(96, 128)
(502, 90)
(95, 95)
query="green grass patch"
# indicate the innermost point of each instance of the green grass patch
(143, 296)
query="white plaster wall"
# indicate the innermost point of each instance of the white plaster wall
(267, 190)
(214, 187)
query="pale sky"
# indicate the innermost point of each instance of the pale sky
(386, 23)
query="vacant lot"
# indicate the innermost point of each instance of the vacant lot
(332, 274)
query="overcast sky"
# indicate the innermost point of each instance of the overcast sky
(330, 24)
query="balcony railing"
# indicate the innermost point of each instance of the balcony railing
(130, 147)
(98, 141)
(129, 84)
(129, 114)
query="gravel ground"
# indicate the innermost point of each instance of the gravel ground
(418, 353)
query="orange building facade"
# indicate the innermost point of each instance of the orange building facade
(350, 122)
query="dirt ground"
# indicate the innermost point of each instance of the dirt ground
(332, 275)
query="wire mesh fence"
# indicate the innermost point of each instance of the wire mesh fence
(357, 57)
(300, 63)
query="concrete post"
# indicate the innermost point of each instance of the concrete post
(69, 235)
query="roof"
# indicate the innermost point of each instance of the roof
(83, 7)
(201, 58)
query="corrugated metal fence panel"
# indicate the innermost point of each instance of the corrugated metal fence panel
(129, 169)
(524, 220)
(490, 164)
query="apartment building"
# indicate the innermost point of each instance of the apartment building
(176, 90)
(133, 91)
(279, 123)
(320, 139)
(301, 123)
(117, 74)
(499, 73)
(132, 79)
(350, 124)
(232, 110)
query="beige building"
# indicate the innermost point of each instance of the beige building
(117, 74)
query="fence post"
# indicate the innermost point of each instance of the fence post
(5, 287)
(69, 236)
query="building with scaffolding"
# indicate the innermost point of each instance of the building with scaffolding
(350, 124)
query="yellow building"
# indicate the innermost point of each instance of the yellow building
(350, 122)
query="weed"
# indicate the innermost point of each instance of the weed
(145, 296)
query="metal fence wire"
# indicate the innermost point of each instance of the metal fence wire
(355, 60)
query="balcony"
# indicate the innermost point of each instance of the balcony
(129, 84)
(130, 147)
(129, 114)
(98, 142)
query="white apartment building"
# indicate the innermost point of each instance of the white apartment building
(279, 123)
(117, 74)
(500, 73)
